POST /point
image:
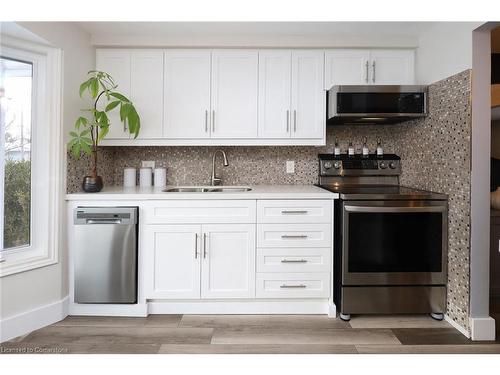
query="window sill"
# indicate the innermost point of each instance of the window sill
(25, 261)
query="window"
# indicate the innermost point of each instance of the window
(15, 131)
(30, 155)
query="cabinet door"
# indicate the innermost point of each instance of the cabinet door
(173, 261)
(146, 91)
(308, 119)
(234, 94)
(346, 67)
(187, 94)
(274, 94)
(228, 263)
(117, 64)
(392, 67)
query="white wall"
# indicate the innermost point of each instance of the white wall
(32, 289)
(444, 50)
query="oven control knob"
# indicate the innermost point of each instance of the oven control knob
(327, 165)
(382, 165)
(392, 165)
(337, 165)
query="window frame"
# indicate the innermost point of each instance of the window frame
(46, 158)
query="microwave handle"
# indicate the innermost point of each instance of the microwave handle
(394, 209)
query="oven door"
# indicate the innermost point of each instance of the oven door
(394, 242)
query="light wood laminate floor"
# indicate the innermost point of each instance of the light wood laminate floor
(256, 334)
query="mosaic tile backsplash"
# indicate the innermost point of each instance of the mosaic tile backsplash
(435, 154)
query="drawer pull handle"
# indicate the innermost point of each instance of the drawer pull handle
(293, 236)
(294, 212)
(293, 261)
(285, 286)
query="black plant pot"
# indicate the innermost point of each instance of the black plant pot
(92, 184)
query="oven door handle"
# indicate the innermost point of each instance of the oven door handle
(395, 209)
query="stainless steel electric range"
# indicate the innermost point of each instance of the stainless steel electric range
(391, 241)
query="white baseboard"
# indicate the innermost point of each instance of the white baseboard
(482, 329)
(137, 310)
(239, 307)
(30, 321)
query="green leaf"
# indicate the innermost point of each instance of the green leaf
(94, 87)
(75, 150)
(73, 134)
(85, 132)
(103, 132)
(124, 111)
(84, 86)
(119, 96)
(86, 148)
(103, 119)
(112, 105)
(81, 121)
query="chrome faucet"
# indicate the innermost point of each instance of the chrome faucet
(214, 179)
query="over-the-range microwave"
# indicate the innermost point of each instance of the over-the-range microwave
(375, 104)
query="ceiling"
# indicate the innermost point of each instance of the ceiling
(256, 28)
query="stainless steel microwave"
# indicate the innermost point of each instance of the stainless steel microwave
(375, 104)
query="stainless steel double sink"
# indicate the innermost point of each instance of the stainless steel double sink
(208, 189)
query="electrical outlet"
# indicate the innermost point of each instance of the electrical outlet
(290, 166)
(148, 164)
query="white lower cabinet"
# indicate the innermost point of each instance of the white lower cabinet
(237, 249)
(228, 265)
(193, 261)
(173, 261)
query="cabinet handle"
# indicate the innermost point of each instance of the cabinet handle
(204, 245)
(292, 236)
(287, 286)
(213, 120)
(206, 120)
(293, 261)
(373, 68)
(287, 120)
(294, 212)
(366, 74)
(196, 246)
(295, 120)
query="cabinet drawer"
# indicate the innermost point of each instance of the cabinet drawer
(294, 211)
(294, 260)
(202, 211)
(294, 235)
(293, 285)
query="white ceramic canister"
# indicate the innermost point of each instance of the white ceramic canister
(160, 177)
(146, 177)
(129, 177)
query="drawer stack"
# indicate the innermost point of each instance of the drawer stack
(294, 248)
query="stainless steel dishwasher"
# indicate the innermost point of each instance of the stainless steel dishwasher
(105, 258)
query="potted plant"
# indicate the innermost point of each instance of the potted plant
(92, 128)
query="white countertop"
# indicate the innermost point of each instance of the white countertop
(257, 192)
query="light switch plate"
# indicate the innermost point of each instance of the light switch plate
(290, 166)
(148, 164)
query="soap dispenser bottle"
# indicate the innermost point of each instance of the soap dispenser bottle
(366, 151)
(350, 149)
(380, 151)
(336, 149)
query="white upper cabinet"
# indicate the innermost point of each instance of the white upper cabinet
(187, 94)
(146, 91)
(346, 67)
(139, 76)
(308, 96)
(234, 94)
(117, 64)
(392, 67)
(369, 67)
(275, 86)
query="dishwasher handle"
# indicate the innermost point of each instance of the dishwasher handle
(103, 221)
